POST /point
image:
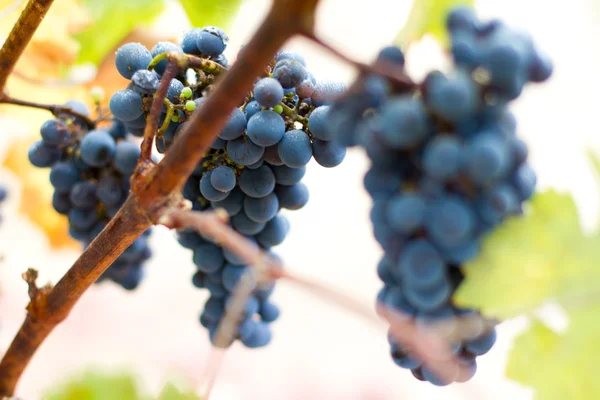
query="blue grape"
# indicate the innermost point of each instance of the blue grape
(109, 191)
(274, 232)
(292, 197)
(118, 130)
(218, 144)
(290, 55)
(432, 378)
(64, 175)
(145, 82)
(163, 47)
(392, 54)
(55, 133)
(126, 157)
(261, 336)
(271, 156)
(233, 203)
(403, 359)
(61, 202)
(487, 158)
(289, 73)
(223, 178)
(442, 158)
(328, 154)
(258, 182)
(214, 308)
(287, 176)
(450, 222)
(381, 182)
(317, 123)
(222, 60)
(190, 239)
(306, 88)
(208, 258)
(174, 91)
(327, 91)
(430, 298)
(242, 151)
(208, 190)
(461, 18)
(525, 181)
(191, 189)
(266, 128)
(482, 345)
(257, 164)
(235, 127)
(132, 57)
(189, 44)
(269, 312)
(83, 218)
(245, 225)
(126, 105)
(42, 155)
(98, 148)
(83, 194)
(295, 149)
(455, 98)
(421, 265)
(251, 108)
(403, 123)
(232, 274)
(211, 41)
(268, 92)
(406, 213)
(263, 209)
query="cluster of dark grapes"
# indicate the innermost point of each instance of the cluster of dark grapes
(253, 169)
(446, 169)
(90, 169)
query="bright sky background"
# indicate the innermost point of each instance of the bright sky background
(318, 351)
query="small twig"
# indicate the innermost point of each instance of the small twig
(155, 110)
(396, 75)
(20, 35)
(290, 112)
(53, 108)
(165, 125)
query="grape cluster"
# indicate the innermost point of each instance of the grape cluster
(90, 169)
(253, 169)
(446, 169)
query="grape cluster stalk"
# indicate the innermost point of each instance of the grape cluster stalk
(253, 169)
(447, 167)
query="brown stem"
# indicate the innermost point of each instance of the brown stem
(156, 109)
(52, 307)
(53, 108)
(396, 75)
(156, 189)
(20, 35)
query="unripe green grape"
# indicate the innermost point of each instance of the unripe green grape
(190, 105)
(278, 108)
(186, 92)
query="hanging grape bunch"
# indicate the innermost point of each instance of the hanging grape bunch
(253, 169)
(90, 167)
(446, 168)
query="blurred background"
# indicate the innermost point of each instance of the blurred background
(319, 351)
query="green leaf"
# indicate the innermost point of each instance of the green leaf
(428, 17)
(97, 386)
(559, 366)
(528, 260)
(113, 20)
(170, 392)
(210, 12)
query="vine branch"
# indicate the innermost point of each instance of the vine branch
(20, 35)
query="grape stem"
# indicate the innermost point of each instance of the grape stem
(20, 35)
(395, 75)
(54, 109)
(290, 112)
(188, 61)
